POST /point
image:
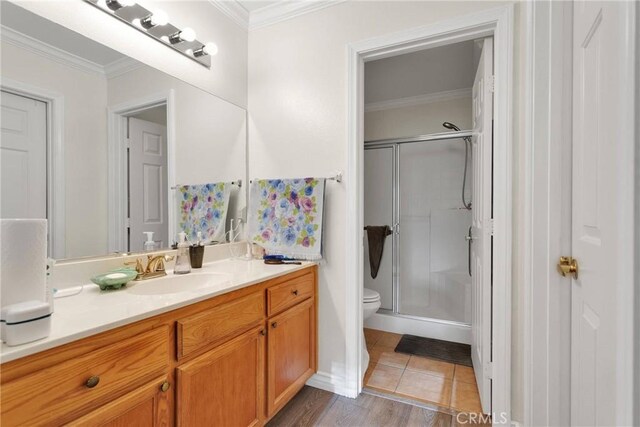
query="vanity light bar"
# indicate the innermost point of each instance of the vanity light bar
(156, 26)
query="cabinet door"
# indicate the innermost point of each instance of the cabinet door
(147, 406)
(292, 353)
(224, 387)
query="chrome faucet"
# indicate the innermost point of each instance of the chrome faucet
(154, 268)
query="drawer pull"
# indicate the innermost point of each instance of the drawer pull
(263, 332)
(274, 325)
(295, 292)
(165, 386)
(92, 381)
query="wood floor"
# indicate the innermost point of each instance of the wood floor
(314, 407)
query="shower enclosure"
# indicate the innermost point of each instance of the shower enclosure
(414, 185)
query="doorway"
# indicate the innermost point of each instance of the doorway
(496, 23)
(34, 137)
(141, 173)
(432, 193)
(147, 180)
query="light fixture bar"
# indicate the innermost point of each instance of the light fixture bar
(181, 40)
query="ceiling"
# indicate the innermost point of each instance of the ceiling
(47, 32)
(440, 69)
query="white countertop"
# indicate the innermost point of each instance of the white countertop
(92, 311)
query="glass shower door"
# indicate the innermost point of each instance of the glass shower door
(378, 210)
(432, 251)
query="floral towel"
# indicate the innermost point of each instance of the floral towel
(203, 208)
(285, 216)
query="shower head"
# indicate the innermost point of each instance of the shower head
(451, 126)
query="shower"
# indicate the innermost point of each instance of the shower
(467, 143)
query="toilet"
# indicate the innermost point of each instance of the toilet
(370, 303)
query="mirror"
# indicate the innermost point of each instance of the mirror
(108, 149)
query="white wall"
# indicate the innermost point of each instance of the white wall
(298, 125)
(85, 143)
(227, 77)
(417, 119)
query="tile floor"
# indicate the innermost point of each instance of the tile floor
(444, 384)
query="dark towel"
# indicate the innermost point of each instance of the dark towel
(377, 235)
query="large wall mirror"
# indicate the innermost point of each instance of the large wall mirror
(109, 149)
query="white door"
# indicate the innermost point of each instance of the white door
(148, 205)
(481, 227)
(23, 157)
(600, 133)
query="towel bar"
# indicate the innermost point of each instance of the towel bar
(238, 183)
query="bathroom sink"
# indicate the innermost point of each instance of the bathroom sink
(174, 284)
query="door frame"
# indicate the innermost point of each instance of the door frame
(498, 23)
(56, 214)
(117, 163)
(548, 99)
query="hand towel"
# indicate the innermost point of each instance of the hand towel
(203, 208)
(286, 216)
(376, 236)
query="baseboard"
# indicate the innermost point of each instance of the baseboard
(331, 383)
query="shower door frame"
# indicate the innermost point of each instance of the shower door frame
(394, 144)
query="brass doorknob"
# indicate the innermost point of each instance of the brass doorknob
(165, 386)
(274, 325)
(568, 265)
(92, 381)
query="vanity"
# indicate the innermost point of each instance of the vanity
(233, 354)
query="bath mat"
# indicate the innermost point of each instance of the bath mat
(447, 351)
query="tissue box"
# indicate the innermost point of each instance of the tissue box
(25, 322)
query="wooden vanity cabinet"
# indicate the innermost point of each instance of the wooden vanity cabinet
(225, 386)
(291, 353)
(147, 406)
(233, 360)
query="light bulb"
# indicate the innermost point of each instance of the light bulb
(159, 17)
(187, 35)
(210, 48)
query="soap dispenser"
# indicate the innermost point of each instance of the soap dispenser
(183, 261)
(150, 244)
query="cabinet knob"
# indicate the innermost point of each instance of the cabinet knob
(92, 381)
(274, 325)
(295, 292)
(165, 386)
(263, 332)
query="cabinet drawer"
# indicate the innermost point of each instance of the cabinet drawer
(224, 321)
(289, 293)
(62, 392)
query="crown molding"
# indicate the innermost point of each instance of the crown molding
(121, 66)
(282, 11)
(52, 53)
(233, 10)
(45, 50)
(411, 101)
